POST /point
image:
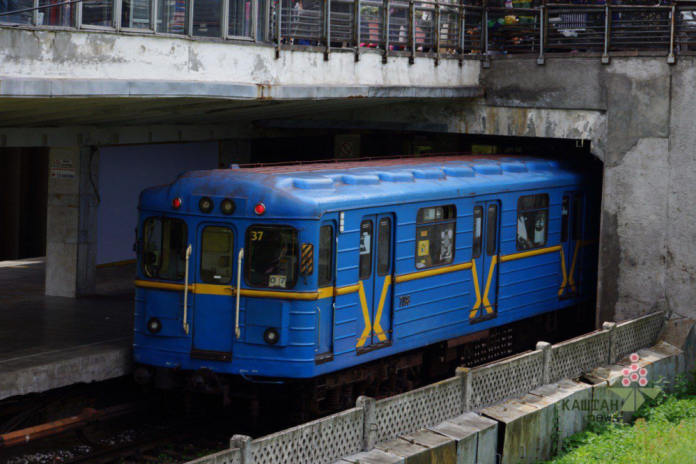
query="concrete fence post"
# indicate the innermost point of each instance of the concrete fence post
(368, 406)
(545, 349)
(243, 443)
(465, 374)
(611, 328)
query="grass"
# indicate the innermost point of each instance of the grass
(663, 431)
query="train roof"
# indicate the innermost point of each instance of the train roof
(308, 191)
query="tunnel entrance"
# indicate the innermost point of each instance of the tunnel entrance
(117, 175)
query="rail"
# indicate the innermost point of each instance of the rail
(461, 29)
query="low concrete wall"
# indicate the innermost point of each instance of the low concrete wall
(418, 427)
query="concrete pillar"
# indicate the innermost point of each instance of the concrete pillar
(546, 349)
(71, 248)
(464, 373)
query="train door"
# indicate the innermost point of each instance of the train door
(485, 258)
(572, 216)
(326, 307)
(375, 285)
(213, 317)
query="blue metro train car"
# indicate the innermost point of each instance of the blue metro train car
(297, 272)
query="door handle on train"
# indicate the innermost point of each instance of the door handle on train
(237, 332)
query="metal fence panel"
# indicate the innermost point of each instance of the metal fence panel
(423, 407)
(508, 378)
(637, 334)
(324, 440)
(572, 358)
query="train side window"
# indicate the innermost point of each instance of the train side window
(491, 233)
(532, 221)
(577, 217)
(216, 255)
(478, 230)
(564, 219)
(435, 230)
(383, 247)
(326, 242)
(365, 249)
(165, 243)
(273, 254)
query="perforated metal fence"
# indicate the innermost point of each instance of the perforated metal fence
(498, 381)
(349, 432)
(572, 358)
(323, 440)
(424, 407)
(631, 336)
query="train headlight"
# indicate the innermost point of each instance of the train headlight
(271, 336)
(154, 325)
(176, 203)
(206, 205)
(260, 209)
(227, 206)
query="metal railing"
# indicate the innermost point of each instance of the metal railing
(456, 28)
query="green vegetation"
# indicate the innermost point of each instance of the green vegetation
(662, 431)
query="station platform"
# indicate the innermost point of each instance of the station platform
(51, 342)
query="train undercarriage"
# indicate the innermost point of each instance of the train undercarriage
(302, 400)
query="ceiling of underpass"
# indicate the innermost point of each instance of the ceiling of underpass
(129, 111)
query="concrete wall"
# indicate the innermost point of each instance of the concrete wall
(124, 173)
(48, 55)
(638, 115)
(632, 104)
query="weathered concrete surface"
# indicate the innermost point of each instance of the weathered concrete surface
(85, 364)
(681, 236)
(681, 333)
(57, 58)
(644, 134)
(71, 248)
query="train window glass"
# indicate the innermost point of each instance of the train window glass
(478, 230)
(165, 243)
(491, 232)
(435, 239)
(326, 242)
(365, 249)
(577, 217)
(216, 255)
(532, 221)
(564, 218)
(383, 247)
(272, 256)
(436, 214)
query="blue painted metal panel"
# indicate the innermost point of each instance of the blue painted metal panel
(438, 306)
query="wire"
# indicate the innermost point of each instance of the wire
(91, 175)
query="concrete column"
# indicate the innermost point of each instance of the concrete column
(369, 421)
(243, 443)
(546, 349)
(611, 328)
(465, 374)
(71, 248)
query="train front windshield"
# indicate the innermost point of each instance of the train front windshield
(165, 248)
(272, 255)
